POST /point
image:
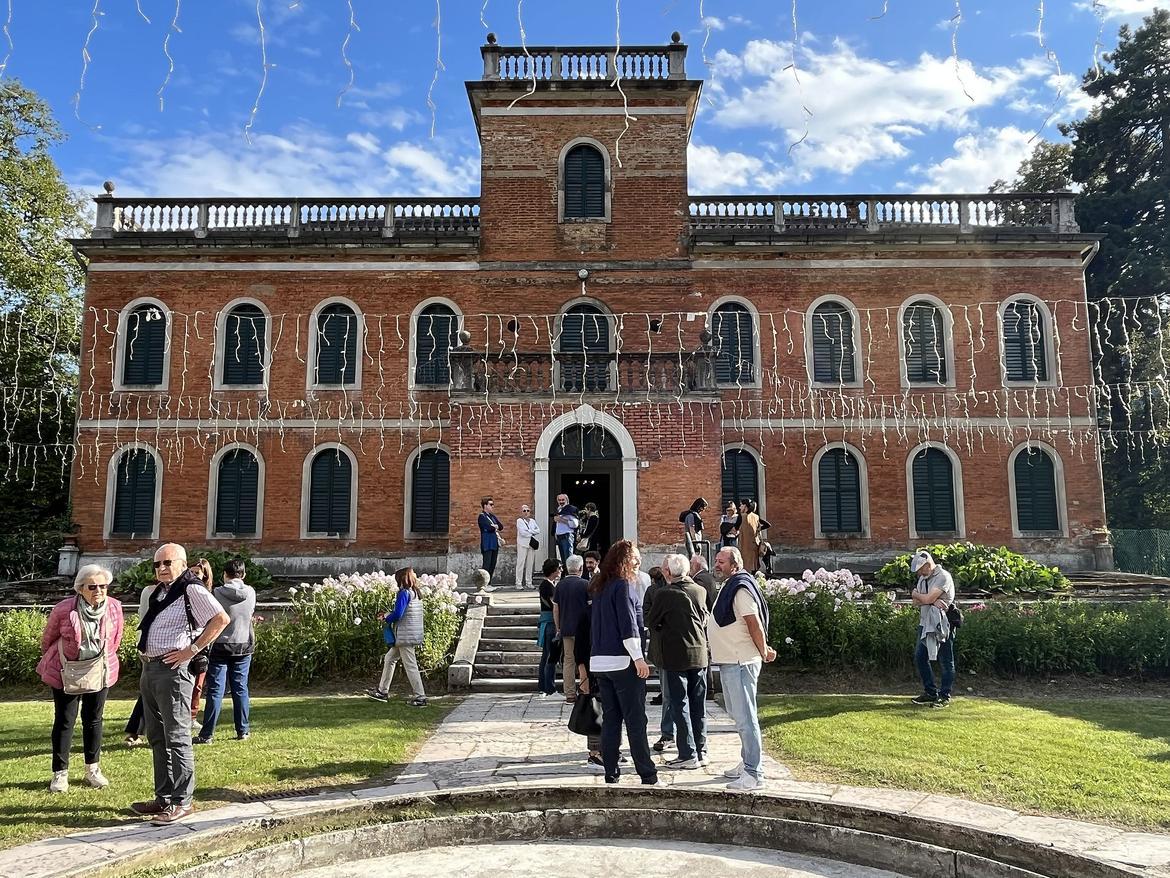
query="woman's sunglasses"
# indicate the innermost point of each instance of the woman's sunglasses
(95, 586)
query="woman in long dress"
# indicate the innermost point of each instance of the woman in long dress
(749, 535)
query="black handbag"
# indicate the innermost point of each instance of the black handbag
(585, 718)
(955, 616)
(533, 543)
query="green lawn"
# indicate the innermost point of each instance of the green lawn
(1094, 759)
(297, 743)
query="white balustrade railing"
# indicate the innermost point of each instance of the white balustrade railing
(552, 63)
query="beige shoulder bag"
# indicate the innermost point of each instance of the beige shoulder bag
(86, 676)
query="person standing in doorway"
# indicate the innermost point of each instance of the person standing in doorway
(489, 535)
(570, 601)
(587, 537)
(566, 524)
(527, 546)
(546, 629)
(749, 535)
(230, 657)
(729, 526)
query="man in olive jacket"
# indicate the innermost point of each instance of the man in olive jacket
(677, 619)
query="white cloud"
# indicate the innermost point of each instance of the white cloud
(1129, 9)
(980, 158)
(714, 23)
(712, 170)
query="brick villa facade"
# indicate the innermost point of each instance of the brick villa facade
(336, 382)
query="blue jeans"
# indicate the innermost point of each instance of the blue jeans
(234, 669)
(564, 547)
(666, 724)
(739, 697)
(623, 700)
(946, 661)
(546, 672)
(688, 702)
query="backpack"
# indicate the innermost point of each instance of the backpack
(955, 616)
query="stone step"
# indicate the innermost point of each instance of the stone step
(490, 657)
(499, 609)
(508, 644)
(510, 620)
(512, 669)
(528, 684)
(511, 632)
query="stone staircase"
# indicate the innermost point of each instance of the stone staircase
(508, 655)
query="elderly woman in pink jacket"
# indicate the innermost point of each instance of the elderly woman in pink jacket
(80, 629)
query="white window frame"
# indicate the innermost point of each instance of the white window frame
(858, 360)
(948, 343)
(611, 324)
(413, 359)
(122, 341)
(1061, 496)
(112, 487)
(863, 487)
(758, 381)
(213, 492)
(221, 353)
(306, 482)
(311, 361)
(1049, 341)
(608, 193)
(960, 531)
(408, 493)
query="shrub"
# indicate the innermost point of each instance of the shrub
(141, 574)
(980, 568)
(20, 645)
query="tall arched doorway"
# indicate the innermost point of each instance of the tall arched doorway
(589, 455)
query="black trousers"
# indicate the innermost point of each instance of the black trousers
(93, 705)
(623, 702)
(489, 560)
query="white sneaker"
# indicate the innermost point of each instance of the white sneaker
(734, 772)
(746, 784)
(684, 764)
(60, 782)
(95, 778)
(704, 759)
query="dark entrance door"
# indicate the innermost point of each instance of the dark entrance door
(586, 464)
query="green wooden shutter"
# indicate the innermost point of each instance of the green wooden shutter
(430, 500)
(584, 339)
(922, 332)
(1025, 350)
(840, 492)
(435, 335)
(584, 183)
(740, 477)
(243, 345)
(329, 492)
(337, 345)
(1036, 491)
(934, 492)
(134, 495)
(734, 331)
(144, 347)
(236, 493)
(832, 344)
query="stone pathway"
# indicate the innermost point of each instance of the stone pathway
(517, 740)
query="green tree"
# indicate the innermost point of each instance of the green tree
(1047, 169)
(40, 310)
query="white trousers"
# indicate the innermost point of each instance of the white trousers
(525, 564)
(409, 661)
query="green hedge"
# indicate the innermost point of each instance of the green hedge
(141, 574)
(980, 568)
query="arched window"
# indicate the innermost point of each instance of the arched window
(144, 345)
(237, 493)
(435, 335)
(430, 500)
(583, 346)
(839, 490)
(244, 332)
(584, 183)
(338, 332)
(1025, 345)
(933, 479)
(741, 477)
(735, 347)
(1036, 494)
(924, 341)
(833, 350)
(134, 495)
(330, 493)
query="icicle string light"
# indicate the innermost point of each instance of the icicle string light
(263, 72)
(956, 20)
(349, 32)
(166, 47)
(7, 31)
(439, 66)
(807, 113)
(95, 16)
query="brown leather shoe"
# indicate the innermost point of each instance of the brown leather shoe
(173, 814)
(148, 808)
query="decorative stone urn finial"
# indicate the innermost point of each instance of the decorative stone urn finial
(676, 38)
(464, 338)
(705, 336)
(109, 187)
(491, 39)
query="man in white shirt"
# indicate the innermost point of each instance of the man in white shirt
(737, 630)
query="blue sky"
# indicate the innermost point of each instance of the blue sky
(888, 108)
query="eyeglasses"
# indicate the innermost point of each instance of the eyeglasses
(165, 562)
(95, 586)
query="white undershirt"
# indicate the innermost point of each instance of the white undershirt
(633, 646)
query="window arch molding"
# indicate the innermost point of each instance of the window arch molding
(221, 341)
(948, 340)
(809, 318)
(122, 340)
(414, 318)
(862, 487)
(607, 190)
(112, 488)
(611, 336)
(306, 488)
(1061, 496)
(213, 491)
(1049, 340)
(408, 492)
(757, 371)
(761, 474)
(311, 360)
(956, 487)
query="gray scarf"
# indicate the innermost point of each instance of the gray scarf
(91, 629)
